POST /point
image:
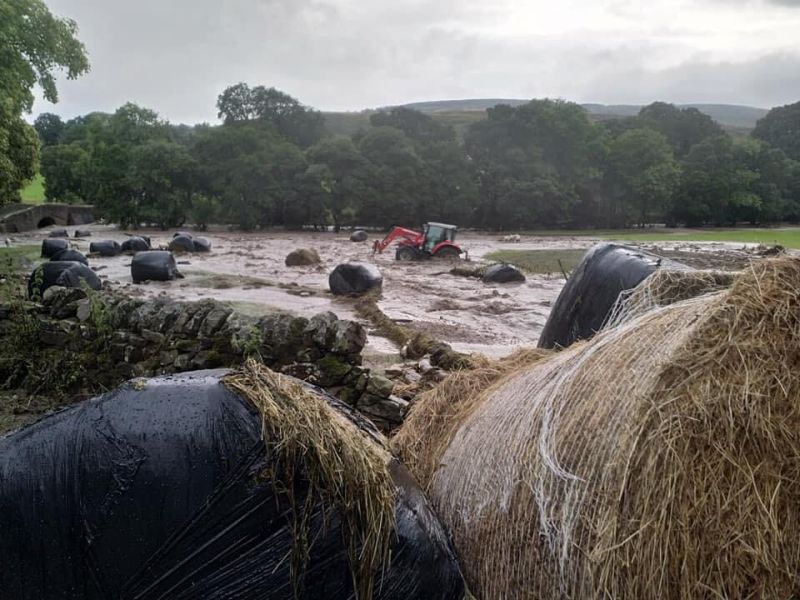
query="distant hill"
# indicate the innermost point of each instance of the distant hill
(461, 113)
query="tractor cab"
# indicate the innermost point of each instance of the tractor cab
(436, 233)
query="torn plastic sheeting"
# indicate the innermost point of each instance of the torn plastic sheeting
(63, 273)
(154, 491)
(154, 265)
(592, 289)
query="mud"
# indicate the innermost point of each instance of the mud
(248, 270)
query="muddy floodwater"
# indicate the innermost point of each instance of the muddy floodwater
(247, 270)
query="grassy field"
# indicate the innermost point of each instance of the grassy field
(539, 261)
(33, 193)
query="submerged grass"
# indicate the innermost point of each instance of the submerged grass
(539, 261)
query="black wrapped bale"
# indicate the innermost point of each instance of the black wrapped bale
(52, 247)
(181, 243)
(135, 244)
(359, 235)
(58, 233)
(81, 233)
(201, 245)
(592, 290)
(105, 248)
(70, 255)
(502, 273)
(62, 273)
(165, 489)
(154, 265)
(182, 234)
(354, 278)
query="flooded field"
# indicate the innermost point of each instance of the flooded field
(247, 270)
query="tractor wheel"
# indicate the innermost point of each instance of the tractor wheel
(447, 253)
(405, 253)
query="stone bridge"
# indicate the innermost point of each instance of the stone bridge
(23, 217)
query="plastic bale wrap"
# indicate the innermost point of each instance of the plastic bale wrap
(502, 273)
(354, 278)
(181, 243)
(52, 247)
(81, 233)
(105, 248)
(62, 273)
(58, 233)
(154, 265)
(201, 244)
(302, 257)
(135, 244)
(592, 290)
(214, 484)
(70, 255)
(359, 235)
(660, 460)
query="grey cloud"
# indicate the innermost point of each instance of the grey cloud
(177, 56)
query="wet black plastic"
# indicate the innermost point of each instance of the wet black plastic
(155, 493)
(154, 265)
(181, 243)
(58, 233)
(105, 248)
(182, 234)
(503, 273)
(354, 278)
(201, 245)
(135, 244)
(64, 273)
(70, 255)
(80, 233)
(52, 247)
(359, 235)
(593, 287)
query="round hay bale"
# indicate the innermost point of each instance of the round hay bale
(81, 233)
(181, 243)
(52, 247)
(70, 255)
(302, 257)
(58, 233)
(354, 278)
(657, 461)
(592, 290)
(105, 248)
(215, 484)
(502, 273)
(201, 244)
(154, 265)
(135, 244)
(62, 273)
(185, 234)
(359, 235)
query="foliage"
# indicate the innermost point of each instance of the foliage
(49, 126)
(34, 47)
(781, 129)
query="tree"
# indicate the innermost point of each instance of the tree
(64, 167)
(781, 128)
(683, 127)
(34, 46)
(240, 103)
(645, 173)
(416, 125)
(49, 126)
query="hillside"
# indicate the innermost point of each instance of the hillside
(461, 113)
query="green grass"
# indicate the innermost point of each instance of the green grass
(788, 238)
(539, 261)
(33, 193)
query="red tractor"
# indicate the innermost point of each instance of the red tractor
(437, 240)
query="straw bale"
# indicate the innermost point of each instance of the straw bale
(660, 460)
(343, 465)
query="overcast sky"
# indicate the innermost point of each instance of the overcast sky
(176, 56)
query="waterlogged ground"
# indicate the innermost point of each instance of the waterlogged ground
(247, 269)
